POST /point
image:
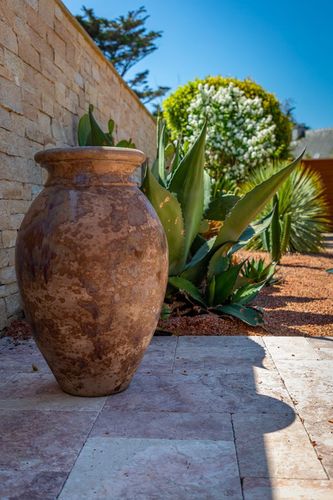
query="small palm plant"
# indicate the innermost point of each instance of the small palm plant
(300, 216)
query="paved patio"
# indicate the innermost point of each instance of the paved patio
(204, 418)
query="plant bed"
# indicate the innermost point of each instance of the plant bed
(301, 303)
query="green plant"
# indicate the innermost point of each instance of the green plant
(90, 134)
(202, 270)
(300, 212)
(257, 271)
(177, 104)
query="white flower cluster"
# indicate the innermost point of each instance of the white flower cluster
(239, 133)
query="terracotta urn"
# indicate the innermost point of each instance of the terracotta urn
(92, 266)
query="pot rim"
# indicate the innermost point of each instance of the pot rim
(130, 156)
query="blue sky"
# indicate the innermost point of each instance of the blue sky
(284, 45)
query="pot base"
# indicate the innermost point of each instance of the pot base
(85, 393)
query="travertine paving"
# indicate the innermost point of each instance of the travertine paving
(204, 418)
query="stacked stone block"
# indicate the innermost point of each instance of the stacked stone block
(50, 70)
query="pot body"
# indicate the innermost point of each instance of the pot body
(92, 265)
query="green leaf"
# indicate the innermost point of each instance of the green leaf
(207, 190)
(330, 270)
(84, 131)
(188, 184)
(219, 262)
(220, 207)
(225, 283)
(170, 214)
(111, 126)
(187, 287)
(249, 315)
(98, 138)
(211, 291)
(276, 232)
(251, 204)
(125, 144)
(201, 253)
(253, 231)
(247, 293)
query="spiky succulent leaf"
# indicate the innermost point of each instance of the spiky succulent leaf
(225, 282)
(219, 262)
(220, 207)
(251, 204)
(170, 214)
(188, 287)
(247, 293)
(249, 315)
(188, 184)
(276, 232)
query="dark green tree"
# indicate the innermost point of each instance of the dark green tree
(125, 41)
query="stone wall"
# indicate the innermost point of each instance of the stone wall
(50, 70)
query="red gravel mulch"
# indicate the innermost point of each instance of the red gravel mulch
(300, 304)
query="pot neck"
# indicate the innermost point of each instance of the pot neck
(90, 166)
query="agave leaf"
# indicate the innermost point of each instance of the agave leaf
(249, 315)
(330, 271)
(84, 131)
(225, 283)
(285, 236)
(252, 231)
(177, 158)
(276, 232)
(247, 293)
(219, 262)
(170, 214)
(220, 207)
(187, 287)
(188, 184)
(211, 291)
(207, 191)
(158, 168)
(201, 253)
(98, 138)
(251, 204)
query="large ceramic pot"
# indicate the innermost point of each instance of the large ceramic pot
(92, 264)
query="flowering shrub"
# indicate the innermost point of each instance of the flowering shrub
(175, 109)
(240, 134)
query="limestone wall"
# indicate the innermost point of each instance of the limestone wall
(50, 70)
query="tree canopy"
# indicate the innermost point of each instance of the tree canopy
(125, 41)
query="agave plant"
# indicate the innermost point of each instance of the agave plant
(90, 133)
(203, 270)
(258, 271)
(300, 216)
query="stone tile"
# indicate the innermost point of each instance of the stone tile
(198, 393)
(287, 489)
(275, 446)
(163, 425)
(292, 348)
(42, 440)
(221, 354)
(323, 346)
(154, 468)
(310, 383)
(160, 356)
(235, 343)
(319, 425)
(29, 485)
(40, 391)
(21, 358)
(209, 363)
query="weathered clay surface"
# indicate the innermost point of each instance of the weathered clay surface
(91, 262)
